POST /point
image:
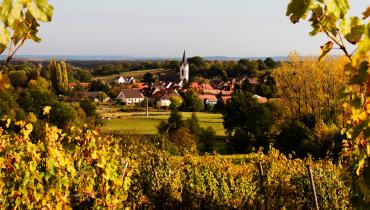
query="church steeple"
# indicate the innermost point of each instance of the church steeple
(184, 61)
(184, 69)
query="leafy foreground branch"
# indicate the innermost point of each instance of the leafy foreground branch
(330, 17)
(85, 170)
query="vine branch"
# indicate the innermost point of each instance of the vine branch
(340, 42)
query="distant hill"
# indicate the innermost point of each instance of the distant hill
(124, 58)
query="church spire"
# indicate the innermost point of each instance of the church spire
(184, 69)
(184, 58)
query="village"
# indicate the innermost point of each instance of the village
(131, 92)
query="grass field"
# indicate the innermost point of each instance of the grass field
(125, 123)
(138, 75)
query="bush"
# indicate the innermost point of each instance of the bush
(205, 136)
(184, 141)
(89, 107)
(296, 138)
(62, 115)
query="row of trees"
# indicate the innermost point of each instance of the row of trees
(225, 69)
(198, 66)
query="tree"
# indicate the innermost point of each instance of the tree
(261, 65)
(176, 100)
(248, 67)
(33, 100)
(205, 136)
(247, 122)
(270, 63)
(8, 105)
(173, 123)
(330, 18)
(264, 90)
(59, 76)
(295, 138)
(101, 96)
(99, 85)
(193, 102)
(81, 75)
(40, 84)
(246, 86)
(148, 78)
(18, 78)
(306, 86)
(193, 124)
(251, 69)
(89, 107)
(197, 61)
(62, 115)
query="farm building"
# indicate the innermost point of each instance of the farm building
(130, 96)
(123, 80)
(208, 99)
(165, 100)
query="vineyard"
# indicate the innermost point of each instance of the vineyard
(85, 170)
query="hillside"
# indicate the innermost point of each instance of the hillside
(137, 74)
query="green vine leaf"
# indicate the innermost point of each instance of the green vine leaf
(317, 14)
(11, 12)
(325, 49)
(298, 9)
(337, 9)
(4, 38)
(41, 10)
(352, 30)
(363, 50)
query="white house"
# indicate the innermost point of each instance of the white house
(165, 100)
(130, 96)
(184, 69)
(120, 80)
(128, 80)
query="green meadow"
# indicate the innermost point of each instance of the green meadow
(130, 123)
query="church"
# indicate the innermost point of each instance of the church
(184, 69)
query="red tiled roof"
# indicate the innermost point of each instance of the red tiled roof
(226, 98)
(82, 84)
(139, 86)
(206, 87)
(213, 92)
(226, 93)
(131, 93)
(194, 85)
(208, 96)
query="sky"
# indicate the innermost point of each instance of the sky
(164, 28)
